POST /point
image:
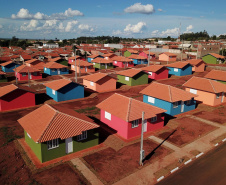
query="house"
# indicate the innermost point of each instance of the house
(83, 67)
(101, 63)
(9, 66)
(121, 61)
(217, 75)
(213, 58)
(71, 60)
(147, 53)
(35, 63)
(210, 92)
(3, 77)
(156, 72)
(180, 68)
(91, 57)
(14, 97)
(132, 77)
(129, 52)
(174, 100)
(24, 58)
(124, 115)
(99, 82)
(63, 90)
(53, 68)
(109, 56)
(52, 132)
(138, 59)
(166, 56)
(24, 72)
(198, 65)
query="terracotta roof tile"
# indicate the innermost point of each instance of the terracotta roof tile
(153, 68)
(32, 60)
(95, 77)
(93, 56)
(25, 69)
(217, 75)
(121, 59)
(101, 60)
(169, 54)
(147, 52)
(205, 85)
(2, 73)
(137, 57)
(54, 65)
(77, 57)
(5, 58)
(7, 89)
(54, 59)
(58, 84)
(128, 109)
(217, 55)
(26, 57)
(83, 63)
(179, 65)
(194, 62)
(129, 72)
(49, 122)
(6, 63)
(167, 92)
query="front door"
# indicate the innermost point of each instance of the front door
(182, 106)
(145, 125)
(69, 145)
(29, 76)
(58, 71)
(222, 97)
(85, 69)
(106, 66)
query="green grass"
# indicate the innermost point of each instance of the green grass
(8, 134)
(65, 62)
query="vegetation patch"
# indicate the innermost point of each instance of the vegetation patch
(8, 135)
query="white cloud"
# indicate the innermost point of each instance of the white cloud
(188, 29)
(117, 32)
(155, 32)
(137, 28)
(85, 27)
(70, 25)
(170, 32)
(25, 14)
(31, 26)
(139, 8)
(160, 10)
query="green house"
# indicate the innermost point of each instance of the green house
(53, 131)
(129, 52)
(101, 63)
(213, 58)
(132, 77)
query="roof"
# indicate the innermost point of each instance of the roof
(169, 54)
(179, 65)
(52, 122)
(95, 77)
(194, 62)
(167, 92)
(26, 57)
(137, 57)
(7, 89)
(216, 75)
(205, 85)
(6, 63)
(73, 58)
(32, 60)
(153, 68)
(54, 59)
(101, 60)
(83, 63)
(58, 84)
(129, 72)
(25, 69)
(2, 73)
(217, 55)
(128, 109)
(5, 58)
(147, 52)
(121, 59)
(54, 65)
(93, 56)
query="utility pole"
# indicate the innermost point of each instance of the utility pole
(141, 141)
(28, 78)
(75, 68)
(149, 57)
(79, 68)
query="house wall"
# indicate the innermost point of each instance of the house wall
(139, 79)
(20, 77)
(17, 99)
(9, 68)
(102, 66)
(90, 69)
(161, 74)
(87, 84)
(199, 68)
(140, 61)
(120, 64)
(106, 84)
(122, 80)
(209, 59)
(187, 70)
(50, 72)
(165, 57)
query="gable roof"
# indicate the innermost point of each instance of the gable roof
(32, 60)
(7, 89)
(169, 54)
(82, 63)
(216, 75)
(96, 77)
(167, 92)
(93, 56)
(128, 109)
(57, 84)
(216, 55)
(25, 69)
(153, 68)
(205, 85)
(6, 63)
(195, 62)
(52, 122)
(101, 60)
(147, 52)
(121, 59)
(54, 65)
(140, 57)
(179, 65)
(26, 57)
(129, 72)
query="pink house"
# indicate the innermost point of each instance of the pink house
(198, 65)
(146, 53)
(71, 60)
(83, 67)
(156, 72)
(22, 72)
(121, 61)
(166, 56)
(124, 115)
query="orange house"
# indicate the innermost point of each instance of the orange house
(209, 92)
(99, 82)
(166, 56)
(198, 65)
(83, 67)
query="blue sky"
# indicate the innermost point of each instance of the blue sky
(125, 18)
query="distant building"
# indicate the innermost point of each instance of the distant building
(51, 45)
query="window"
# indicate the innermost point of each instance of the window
(151, 99)
(218, 95)
(175, 104)
(93, 63)
(53, 92)
(107, 115)
(53, 70)
(175, 69)
(115, 62)
(63, 69)
(188, 102)
(154, 119)
(45, 68)
(24, 74)
(81, 67)
(90, 67)
(150, 73)
(135, 123)
(91, 83)
(52, 144)
(82, 136)
(35, 74)
(194, 91)
(126, 78)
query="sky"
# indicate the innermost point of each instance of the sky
(67, 19)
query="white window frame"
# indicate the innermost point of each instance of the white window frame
(194, 91)
(150, 73)
(107, 115)
(93, 63)
(151, 99)
(175, 104)
(53, 144)
(91, 83)
(218, 95)
(135, 123)
(53, 92)
(115, 62)
(126, 78)
(175, 69)
(83, 136)
(153, 119)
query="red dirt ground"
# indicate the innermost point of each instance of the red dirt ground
(188, 130)
(112, 166)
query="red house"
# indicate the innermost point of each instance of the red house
(22, 72)
(83, 67)
(35, 63)
(13, 97)
(146, 53)
(121, 61)
(71, 60)
(156, 72)
(124, 115)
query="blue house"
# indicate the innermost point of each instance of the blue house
(53, 68)
(91, 57)
(172, 99)
(138, 59)
(9, 66)
(63, 90)
(180, 68)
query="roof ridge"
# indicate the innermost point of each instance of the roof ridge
(170, 95)
(128, 110)
(212, 85)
